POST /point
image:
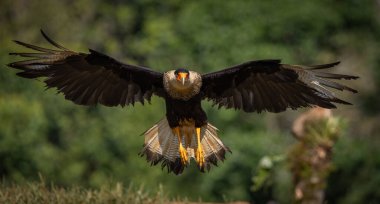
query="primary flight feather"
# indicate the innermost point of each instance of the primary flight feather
(255, 86)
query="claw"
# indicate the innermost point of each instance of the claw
(183, 155)
(199, 154)
(182, 151)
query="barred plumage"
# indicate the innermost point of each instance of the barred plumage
(161, 145)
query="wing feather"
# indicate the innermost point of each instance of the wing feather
(88, 79)
(33, 47)
(268, 85)
(52, 42)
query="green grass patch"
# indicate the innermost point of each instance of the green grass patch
(42, 193)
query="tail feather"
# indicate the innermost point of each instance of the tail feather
(213, 147)
(161, 145)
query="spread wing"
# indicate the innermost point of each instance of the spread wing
(268, 85)
(89, 79)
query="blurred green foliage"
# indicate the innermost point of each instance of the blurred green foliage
(40, 132)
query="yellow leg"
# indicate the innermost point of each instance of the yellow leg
(199, 155)
(182, 151)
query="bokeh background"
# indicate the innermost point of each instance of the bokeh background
(43, 134)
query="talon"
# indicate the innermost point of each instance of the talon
(199, 155)
(182, 151)
(183, 155)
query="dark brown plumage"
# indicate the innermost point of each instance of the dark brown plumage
(268, 85)
(88, 79)
(255, 86)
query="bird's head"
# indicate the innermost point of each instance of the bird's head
(182, 75)
(182, 83)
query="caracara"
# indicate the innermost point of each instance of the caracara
(255, 86)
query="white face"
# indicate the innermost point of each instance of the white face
(181, 79)
(182, 86)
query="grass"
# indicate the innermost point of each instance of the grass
(41, 193)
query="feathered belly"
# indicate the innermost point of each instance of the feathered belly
(185, 113)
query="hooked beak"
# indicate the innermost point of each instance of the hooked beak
(182, 77)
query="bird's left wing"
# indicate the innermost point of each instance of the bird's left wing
(89, 79)
(268, 85)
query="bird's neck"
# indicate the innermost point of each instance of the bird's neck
(177, 90)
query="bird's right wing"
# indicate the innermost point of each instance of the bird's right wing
(89, 79)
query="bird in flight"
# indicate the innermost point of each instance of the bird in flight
(184, 133)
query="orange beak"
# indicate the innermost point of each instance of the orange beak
(182, 77)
